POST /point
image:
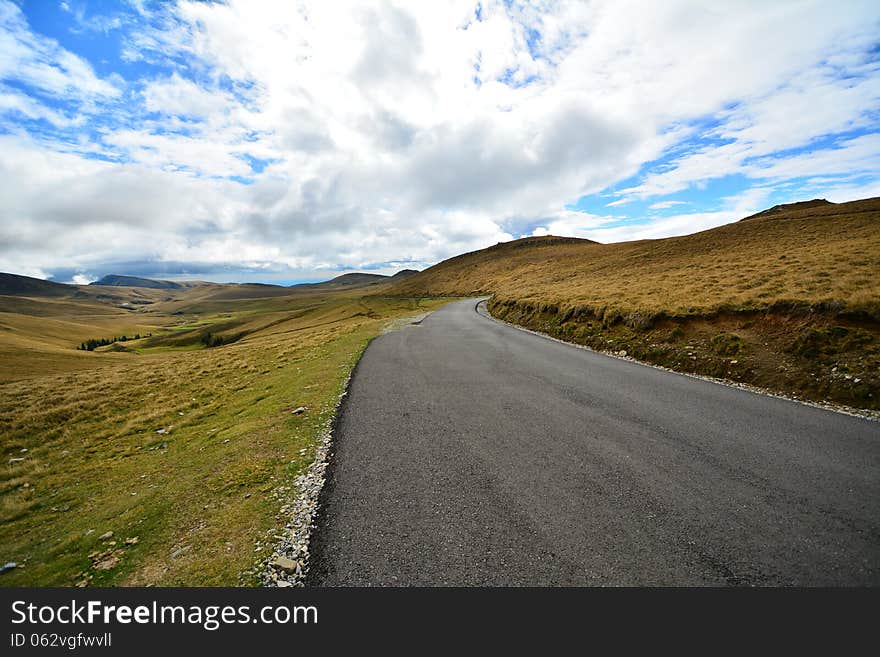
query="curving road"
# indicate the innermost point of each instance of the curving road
(472, 453)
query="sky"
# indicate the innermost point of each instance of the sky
(253, 140)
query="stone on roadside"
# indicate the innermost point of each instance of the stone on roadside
(105, 536)
(284, 563)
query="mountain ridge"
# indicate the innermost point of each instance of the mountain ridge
(121, 280)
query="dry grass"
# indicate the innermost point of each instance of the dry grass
(198, 496)
(819, 256)
(798, 290)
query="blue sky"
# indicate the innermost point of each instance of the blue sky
(262, 141)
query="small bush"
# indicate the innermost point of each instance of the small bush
(728, 344)
(211, 340)
(813, 343)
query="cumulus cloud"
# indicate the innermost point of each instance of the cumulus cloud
(289, 138)
(82, 279)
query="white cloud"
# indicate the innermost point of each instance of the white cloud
(813, 104)
(861, 154)
(662, 205)
(14, 102)
(82, 279)
(598, 228)
(178, 152)
(411, 132)
(43, 64)
(180, 97)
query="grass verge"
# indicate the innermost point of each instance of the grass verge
(163, 467)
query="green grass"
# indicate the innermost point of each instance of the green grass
(198, 497)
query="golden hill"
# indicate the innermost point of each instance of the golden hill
(787, 299)
(825, 255)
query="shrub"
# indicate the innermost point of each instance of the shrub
(728, 344)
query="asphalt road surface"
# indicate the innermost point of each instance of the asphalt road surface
(472, 453)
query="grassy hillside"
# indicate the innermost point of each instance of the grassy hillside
(817, 255)
(135, 281)
(181, 450)
(356, 280)
(12, 284)
(788, 299)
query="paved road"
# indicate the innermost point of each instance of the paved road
(472, 453)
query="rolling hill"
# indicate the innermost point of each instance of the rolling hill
(788, 299)
(174, 432)
(825, 255)
(356, 279)
(135, 281)
(15, 285)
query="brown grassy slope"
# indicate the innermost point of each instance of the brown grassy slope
(820, 255)
(788, 299)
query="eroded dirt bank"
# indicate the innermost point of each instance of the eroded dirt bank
(815, 354)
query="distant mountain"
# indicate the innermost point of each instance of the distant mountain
(134, 281)
(15, 285)
(356, 279)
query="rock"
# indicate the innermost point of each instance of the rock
(16, 459)
(105, 536)
(134, 540)
(107, 562)
(162, 432)
(181, 551)
(9, 565)
(285, 564)
(299, 411)
(283, 584)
